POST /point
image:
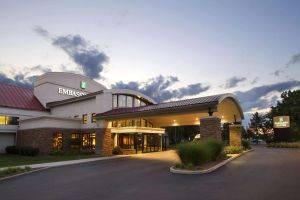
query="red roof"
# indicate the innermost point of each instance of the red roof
(16, 97)
(214, 99)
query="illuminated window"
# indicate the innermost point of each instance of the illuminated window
(88, 140)
(94, 118)
(57, 141)
(126, 141)
(129, 102)
(114, 124)
(75, 141)
(143, 123)
(7, 120)
(121, 101)
(84, 119)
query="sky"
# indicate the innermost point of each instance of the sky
(166, 49)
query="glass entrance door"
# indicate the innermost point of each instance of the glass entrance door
(139, 143)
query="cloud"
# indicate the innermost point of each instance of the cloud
(233, 82)
(278, 72)
(41, 31)
(88, 57)
(294, 60)
(24, 78)
(18, 80)
(158, 88)
(256, 97)
(255, 80)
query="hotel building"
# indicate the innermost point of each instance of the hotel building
(65, 106)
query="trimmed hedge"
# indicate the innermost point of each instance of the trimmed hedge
(117, 150)
(199, 152)
(246, 144)
(25, 151)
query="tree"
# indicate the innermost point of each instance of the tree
(289, 106)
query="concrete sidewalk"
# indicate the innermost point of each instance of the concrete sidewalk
(69, 162)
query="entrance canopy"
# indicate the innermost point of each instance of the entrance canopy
(184, 112)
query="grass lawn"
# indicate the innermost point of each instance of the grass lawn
(16, 160)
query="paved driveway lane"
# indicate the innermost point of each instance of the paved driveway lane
(262, 174)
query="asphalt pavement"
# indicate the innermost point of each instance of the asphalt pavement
(260, 174)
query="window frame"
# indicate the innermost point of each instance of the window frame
(84, 118)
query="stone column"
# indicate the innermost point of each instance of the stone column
(210, 127)
(235, 135)
(103, 139)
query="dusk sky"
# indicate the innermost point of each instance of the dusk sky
(166, 49)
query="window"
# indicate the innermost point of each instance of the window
(137, 102)
(7, 120)
(93, 118)
(143, 103)
(115, 101)
(75, 141)
(126, 141)
(114, 124)
(57, 141)
(129, 102)
(88, 140)
(143, 123)
(121, 101)
(84, 119)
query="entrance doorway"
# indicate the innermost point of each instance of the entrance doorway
(140, 142)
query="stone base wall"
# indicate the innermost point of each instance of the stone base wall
(128, 151)
(43, 139)
(235, 135)
(210, 127)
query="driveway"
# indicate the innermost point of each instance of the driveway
(261, 174)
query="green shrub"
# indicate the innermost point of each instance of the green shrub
(117, 150)
(11, 150)
(233, 150)
(246, 144)
(285, 145)
(25, 151)
(28, 151)
(215, 146)
(196, 153)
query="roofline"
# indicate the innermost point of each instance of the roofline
(50, 117)
(162, 111)
(73, 100)
(235, 100)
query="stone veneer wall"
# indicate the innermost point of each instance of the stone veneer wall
(210, 127)
(42, 138)
(235, 135)
(104, 142)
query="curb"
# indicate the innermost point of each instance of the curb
(23, 173)
(36, 167)
(205, 171)
(68, 162)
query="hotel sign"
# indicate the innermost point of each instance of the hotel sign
(83, 84)
(281, 122)
(70, 92)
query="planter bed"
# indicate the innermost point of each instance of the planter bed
(208, 167)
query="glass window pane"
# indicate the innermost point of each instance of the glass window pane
(2, 120)
(115, 101)
(137, 102)
(129, 101)
(122, 101)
